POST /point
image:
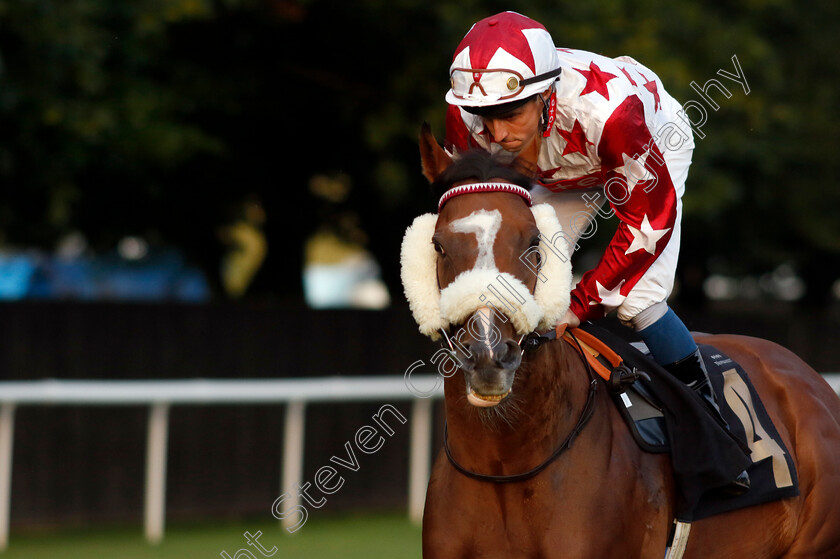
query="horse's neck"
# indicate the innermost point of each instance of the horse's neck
(546, 401)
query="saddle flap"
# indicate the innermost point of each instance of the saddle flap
(644, 417)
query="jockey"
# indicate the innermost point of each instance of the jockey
(598, 133)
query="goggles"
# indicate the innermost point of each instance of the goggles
(486, 84)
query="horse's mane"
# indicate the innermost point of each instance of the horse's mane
(481, 166)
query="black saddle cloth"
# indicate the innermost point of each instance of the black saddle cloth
(670, 417)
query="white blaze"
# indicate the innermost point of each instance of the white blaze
(483, 330)
(484, 225)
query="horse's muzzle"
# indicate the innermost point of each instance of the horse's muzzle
(489, 359)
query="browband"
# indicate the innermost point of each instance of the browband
(484, 187)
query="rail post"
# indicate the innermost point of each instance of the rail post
(156, 447)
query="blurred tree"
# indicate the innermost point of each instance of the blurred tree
(154, 117)
(92, 130)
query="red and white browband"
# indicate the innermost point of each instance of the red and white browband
(484, 187)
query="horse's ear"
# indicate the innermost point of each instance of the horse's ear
(434, 158)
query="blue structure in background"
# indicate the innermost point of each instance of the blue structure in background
(161, 275)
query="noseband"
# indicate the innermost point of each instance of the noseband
(525, 341)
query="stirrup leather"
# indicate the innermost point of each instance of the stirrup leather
(603, 360)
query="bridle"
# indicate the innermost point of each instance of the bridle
(532, 342)
(527, 342)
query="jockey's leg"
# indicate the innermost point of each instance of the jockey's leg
(672, 346)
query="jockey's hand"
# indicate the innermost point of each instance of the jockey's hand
(571, 319)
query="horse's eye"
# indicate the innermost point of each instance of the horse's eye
(438, 248)
(537, 254)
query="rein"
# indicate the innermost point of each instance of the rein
(533, 342)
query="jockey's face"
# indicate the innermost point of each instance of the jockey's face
(518, 128)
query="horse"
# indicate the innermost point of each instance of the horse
(537, 460)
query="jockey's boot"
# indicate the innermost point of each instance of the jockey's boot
(692, 371)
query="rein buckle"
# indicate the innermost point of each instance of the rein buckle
(623, 376)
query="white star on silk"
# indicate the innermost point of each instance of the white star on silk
(646, 237)
(609, 297)
(634, 170)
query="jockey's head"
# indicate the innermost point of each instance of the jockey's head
(503, 71)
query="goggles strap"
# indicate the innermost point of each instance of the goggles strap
(551, 74)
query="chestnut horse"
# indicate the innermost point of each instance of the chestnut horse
(508, 413)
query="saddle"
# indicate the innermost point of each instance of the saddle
(665, 416)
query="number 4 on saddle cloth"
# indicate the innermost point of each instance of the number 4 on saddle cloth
(665, 415)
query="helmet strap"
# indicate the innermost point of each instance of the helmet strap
(549, 112)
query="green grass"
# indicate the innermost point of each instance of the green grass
(349, 537)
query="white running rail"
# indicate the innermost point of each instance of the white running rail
(162, 394)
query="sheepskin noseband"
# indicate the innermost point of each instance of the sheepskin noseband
(436, 309)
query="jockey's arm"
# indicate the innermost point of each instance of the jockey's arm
(639, 189)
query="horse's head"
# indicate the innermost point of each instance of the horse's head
(486, 270)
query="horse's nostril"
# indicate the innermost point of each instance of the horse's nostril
(472, 353)
(513, 355)
(475, 355)
(510, 355)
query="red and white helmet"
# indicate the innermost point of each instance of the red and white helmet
(503, 58)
